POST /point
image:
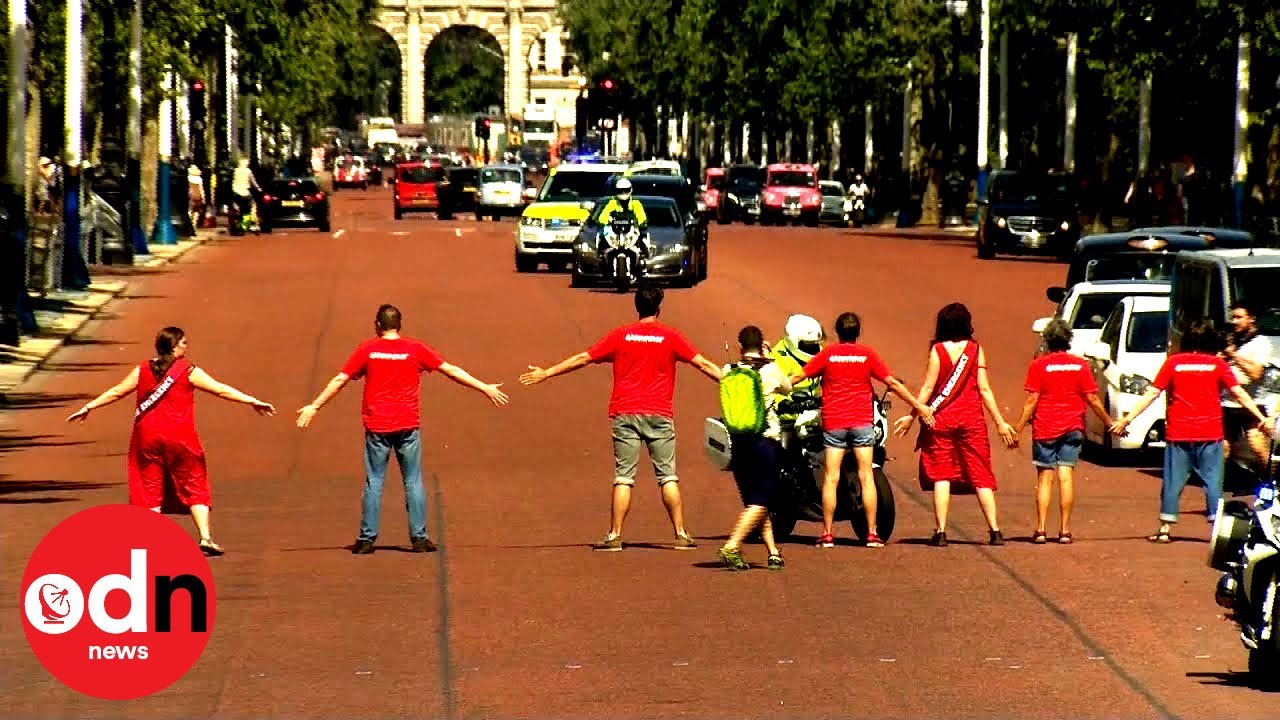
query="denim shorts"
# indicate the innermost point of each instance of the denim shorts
(849, 438)
(1059, 452)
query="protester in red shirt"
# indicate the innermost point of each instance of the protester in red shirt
(1194, 379)
(167, 469)
(390, 365)
(644, 356)
(1060, 387)
(847, 369)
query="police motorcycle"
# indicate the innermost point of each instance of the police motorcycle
(800, 474)
(623, 251)
(1245, 546)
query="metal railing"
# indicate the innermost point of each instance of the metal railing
(101, 227)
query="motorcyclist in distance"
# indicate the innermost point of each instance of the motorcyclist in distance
(622, 202)
(858, 189)
(803, 339)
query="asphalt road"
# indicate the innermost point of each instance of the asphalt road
(516, 617)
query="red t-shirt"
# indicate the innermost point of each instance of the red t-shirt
(1062, 379)
(390, 369)
(847, 370)
(1194, 382)
(644, 356)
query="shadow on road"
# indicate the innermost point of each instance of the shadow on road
(83, 367)
(1230, 679)
(10, 442)
(9, 488)
(40, 401)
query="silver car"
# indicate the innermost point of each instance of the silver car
(833, 201)
(501, 191)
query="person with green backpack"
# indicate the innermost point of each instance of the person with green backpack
(748, 389)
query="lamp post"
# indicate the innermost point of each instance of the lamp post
(13, 227)
(75, 273)
(162, 232)
(958, 9)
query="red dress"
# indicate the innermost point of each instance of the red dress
(166, 461)
(957, 448)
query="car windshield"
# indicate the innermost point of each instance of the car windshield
(1256, 287)
(716, 182)
(285, 187)
(748, 175)
(791, 178)
(659, 213)
(1092, 309)
(1148, 332)
(544, 127)
(496, 175)
(832, 190)
(666, 171)
(421, 174)
(464, 176)
(1127, 266)
(1020, 188)
(569, 186)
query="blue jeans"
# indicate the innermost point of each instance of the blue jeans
(377, 455)
(1180, 458)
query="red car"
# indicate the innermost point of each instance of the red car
(790, 193)
(416, 184)
(349, 171)
(712, 186)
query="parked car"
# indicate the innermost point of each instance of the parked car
(293, 202)
(1125, 359)
(833, 201)
(457, 192)
(1145, 253)
(1028, 213)
(790, 194)
(549, 226)
(741, 197)
(677, 254)
(349, 171)
(1087, 306)
(502, 191)
(416, 188)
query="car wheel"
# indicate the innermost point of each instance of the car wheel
(497, 217)
(722, 220)
(264, 227)
(323, 227)
(364, 186)
(444, 215)
(702, 266)
(985, 250)
(479, 216)
(399, 215)
(526, 263)
(576, 280)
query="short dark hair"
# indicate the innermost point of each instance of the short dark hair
(1057, 335)
(955, 323)
(1246, 306)
(1199, 335)
(388, 318)
(751, 338)
(648, 301)
(848, 327)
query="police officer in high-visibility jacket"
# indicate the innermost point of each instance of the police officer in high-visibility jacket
(622, 202)
(803, 340)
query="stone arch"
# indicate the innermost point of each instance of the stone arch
(389, 52)
(470, 48)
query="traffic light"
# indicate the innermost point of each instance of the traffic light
(483, 126)
(196, 98)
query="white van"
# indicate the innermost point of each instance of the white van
(1207, 283)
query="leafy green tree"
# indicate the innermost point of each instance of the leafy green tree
(464, 71)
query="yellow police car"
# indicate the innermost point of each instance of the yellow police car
(551, 223)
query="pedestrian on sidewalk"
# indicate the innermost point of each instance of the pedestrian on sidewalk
(195, 195)
(390, 365)
(1060, 389)
(750, 388)
(167, 466)
(955, 453)
(1194, 378)
(848, 415)
(644, 355)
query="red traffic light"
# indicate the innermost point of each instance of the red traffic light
(488, 122)
(607, 84)
(198, 85)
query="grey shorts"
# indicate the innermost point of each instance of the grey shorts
(655, 432)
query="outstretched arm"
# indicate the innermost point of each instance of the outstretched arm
(205, 382)
(307, 412)
(119, 390)
(462, 377)
(924, 411)
(568, 365)
(707, 367)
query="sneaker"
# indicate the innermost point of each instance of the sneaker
(825, 540)
(684, 542)
(776, 562)
(732, 558)
(874, 541)
(939, 539)
(424, 545)
(610, 543)
(362, 547)
(997, 538)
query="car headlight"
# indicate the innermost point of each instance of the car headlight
(1001, 222)
(732, 197)
(1134, 384)
(678, 248)
(533, 222)
(1065, 226)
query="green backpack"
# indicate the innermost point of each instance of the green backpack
(742, 403)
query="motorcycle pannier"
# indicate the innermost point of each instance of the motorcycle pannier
(715, 443)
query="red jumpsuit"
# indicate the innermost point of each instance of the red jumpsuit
(166, 461)
(957, 448)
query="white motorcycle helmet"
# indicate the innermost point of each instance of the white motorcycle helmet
(804, 336)
(622, 191)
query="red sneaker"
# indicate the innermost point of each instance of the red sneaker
(874, 541)
(826, 540)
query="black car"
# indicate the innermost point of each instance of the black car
(294, 202)
(678, 253)
(457, 192)
(1027, 212)
(682, 192)
(740, 199)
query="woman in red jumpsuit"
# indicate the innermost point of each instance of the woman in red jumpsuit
(956, 448)
(166, 459)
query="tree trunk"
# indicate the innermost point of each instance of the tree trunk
(150, 164)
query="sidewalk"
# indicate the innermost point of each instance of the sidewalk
(62, 313)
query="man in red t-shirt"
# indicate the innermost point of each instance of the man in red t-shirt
(847, 369)
(1194, 378)
(644, 356)
(391, 365)
(1060, 388)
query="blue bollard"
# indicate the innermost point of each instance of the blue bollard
(163, 233)
(75, 272)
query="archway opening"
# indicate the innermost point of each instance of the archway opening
(464, 71)
(373, 79)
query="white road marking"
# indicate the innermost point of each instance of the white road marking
(399, 232)
(888, 659)
(457, 232)
(364, 672)
(785, 662)
(680, 664)
(1095, 657)
(572, 667)
(1202, 657)
(340, 232)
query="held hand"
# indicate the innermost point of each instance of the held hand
(263, 408)
(305, 415)
(1120, 428)
(902, 425)
(534, 376)
(1008, 434)
(926, 416)
(496, 395)
(1268, 426)
(82, 414)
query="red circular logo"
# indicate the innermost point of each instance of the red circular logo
(117, 602)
